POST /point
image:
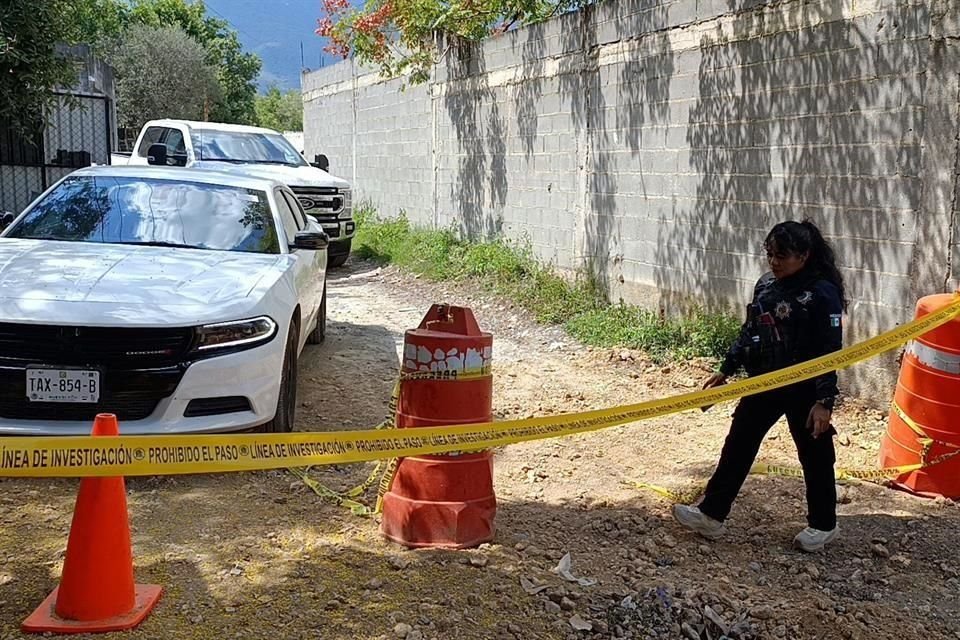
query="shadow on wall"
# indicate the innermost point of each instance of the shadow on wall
(481, 179)
(806, 123)
(607, 114)
(528, 93)
(824, 122)
(614, 111)
(588, 104)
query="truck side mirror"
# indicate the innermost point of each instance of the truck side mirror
(157, 154)
(321, 162)
(6, 219)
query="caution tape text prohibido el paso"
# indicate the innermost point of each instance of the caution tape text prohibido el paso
(165, 455)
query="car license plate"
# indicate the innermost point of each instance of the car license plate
(63, 385)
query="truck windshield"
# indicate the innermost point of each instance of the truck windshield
(245, 147)
(150, 211)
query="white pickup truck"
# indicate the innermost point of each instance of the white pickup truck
(258, 152)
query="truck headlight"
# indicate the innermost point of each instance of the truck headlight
(234, 336)
(347, 203)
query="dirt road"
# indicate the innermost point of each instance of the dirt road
(260, 556)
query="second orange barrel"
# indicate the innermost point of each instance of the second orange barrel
(443, 500)
(924, 421)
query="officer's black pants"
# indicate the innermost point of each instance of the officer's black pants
(753, 418)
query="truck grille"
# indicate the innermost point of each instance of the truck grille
(323, 203)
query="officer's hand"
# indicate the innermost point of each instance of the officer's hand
(715, 380)
(819, 420)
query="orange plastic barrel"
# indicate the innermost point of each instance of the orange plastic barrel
(444, 500)
(927, 394)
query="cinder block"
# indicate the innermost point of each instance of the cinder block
(680, 12)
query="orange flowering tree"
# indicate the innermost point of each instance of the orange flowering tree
(401, 36)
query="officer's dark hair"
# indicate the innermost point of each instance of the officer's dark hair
(802, 237)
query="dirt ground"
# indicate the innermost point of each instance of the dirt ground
(258, 555)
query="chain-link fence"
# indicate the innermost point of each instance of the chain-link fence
(76, 136)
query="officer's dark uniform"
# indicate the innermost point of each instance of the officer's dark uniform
(789, 321)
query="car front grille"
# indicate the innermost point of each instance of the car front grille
(131, 395)
(138, 368)
(104, 346)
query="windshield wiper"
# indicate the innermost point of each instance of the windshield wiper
(230, 160)
(283, 162)
(157, 243)
(238, 161)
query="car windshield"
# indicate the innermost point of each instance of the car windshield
(245, 147)
(150, 211)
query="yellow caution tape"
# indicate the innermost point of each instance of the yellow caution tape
(678, 496)
(346, 499)
(339, 500)
(448, 374)
(880, 476)
(926, 442)
(71, 456)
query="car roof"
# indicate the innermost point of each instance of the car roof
(210, 126)
(180, 174)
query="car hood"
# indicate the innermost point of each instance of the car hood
(96, 284)
(306, 176)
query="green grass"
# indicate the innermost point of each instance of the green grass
(700, 334)
(513, 272)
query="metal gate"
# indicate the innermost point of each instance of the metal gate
(76, 136)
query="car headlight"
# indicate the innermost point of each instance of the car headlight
(234, 336)
(347, 203)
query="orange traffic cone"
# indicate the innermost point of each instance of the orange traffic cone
(97, 592)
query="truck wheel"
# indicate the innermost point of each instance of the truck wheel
(287, 401)
(340, 259)
(337, 261)
(319, 333)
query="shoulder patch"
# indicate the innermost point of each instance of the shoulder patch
(834, 319)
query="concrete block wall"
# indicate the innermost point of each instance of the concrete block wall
(655, 142)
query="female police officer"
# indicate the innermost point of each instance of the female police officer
(795, 316)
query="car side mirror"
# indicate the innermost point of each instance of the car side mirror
(6, 219)
(157, 154)
(311, 240)
(321, 162)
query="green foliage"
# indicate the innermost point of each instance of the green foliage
(95, 22)
(700, 334)
(162, 73)
(31, 66)
(236, 71)
(280, 111)
(513, 272)
(401, 36)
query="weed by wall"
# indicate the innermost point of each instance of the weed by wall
(511, 271)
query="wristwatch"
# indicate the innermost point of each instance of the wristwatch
(827, 403)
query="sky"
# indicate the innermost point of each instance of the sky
(274, 30)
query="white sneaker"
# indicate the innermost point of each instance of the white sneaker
(695, 520)
(811, 539)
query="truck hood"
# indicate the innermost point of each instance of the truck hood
(291, 176)
(94, 284)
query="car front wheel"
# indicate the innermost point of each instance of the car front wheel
(287, 401)
(319, 333)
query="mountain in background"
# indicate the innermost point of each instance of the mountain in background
(274, 30)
